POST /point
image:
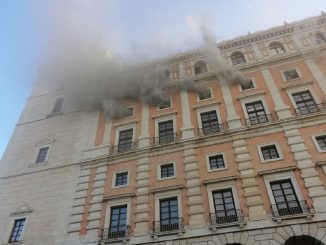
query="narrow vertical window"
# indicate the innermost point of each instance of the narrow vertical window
(16, 233)
(58, 106)
(209, 122)
(167, 170)
(225, 211)
(166, 132)
(125, 140)
(42, 154)
(121, 179)
(118, 222)
(169, 216)
(305, 103)
(256, 113)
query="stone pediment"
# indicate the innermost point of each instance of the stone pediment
(46, 140)
(23, 209)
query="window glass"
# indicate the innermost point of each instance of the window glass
(291, 75)
(269, 152)
(58, 105)
(167, 170)
(16, 233)
(216, 162)
(206, 94)
(321, 140)
(42, 153)
(247, 85)
(166, 132)
(121, 179)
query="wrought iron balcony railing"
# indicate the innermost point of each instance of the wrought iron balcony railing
(168, 225)
(120, 148)
(254, 120)
(226, 217)
(166, 139)
(115, 232)
(211, 130)
(290, 208)
(309, 109)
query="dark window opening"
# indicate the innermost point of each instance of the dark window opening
(121, 179)
(200, 67)
(58, 106)
(276, 48)
(166, 132)
(206, 94)
(291, 75)
(16, 233)
(216, 162)
(42, 154)
(237, 58)
(321, 140)
(165, 104)
(125, 140)
(247, 85)
(169, 216)
(269, 152)
(128, 112)
(167, 170)
(118, 222)
(209, 122)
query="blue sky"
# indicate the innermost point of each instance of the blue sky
(29, 31)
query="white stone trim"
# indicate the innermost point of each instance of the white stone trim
(158, 170)
(46, 161)
(164, 118)
(207, 156)
(125, 127)
(291, 91)
(254, 98)
(171, 105)
(211, 95)
(268, 178)
(117, 202)
(167, 194)
(207, 109)
(278, 148)
(289, 69)
(114, 178)
(313, 137)
(10, 226)
(249, 89)
(211, 187)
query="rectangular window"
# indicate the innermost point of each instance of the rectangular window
(247, 85)
(128, 112)
(165, 104)
(167, 170)
(205, 94)
(216, 161)
(321, 141)
(291, 75)
(125, 140)
(269, 152)
(16, 233)
(305, 102)
(118, 222)
(286, 201)
(58, 105)
(169, 216)
(256, 113)
(225, 211)
(121, 179)
(166, 132)
(42, 154)
(209, 122)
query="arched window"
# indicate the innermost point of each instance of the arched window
(320, 38)
(276, 48)
(303, 240)
(200, 67)
(237, 58)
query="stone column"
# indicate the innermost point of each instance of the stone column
(187, 128)
(233, 119)
(195, 201)
(308, 172)
(248, 177)
(144, 139)
(317, 74)
(93, 129)
(282, 110)
(142, 199)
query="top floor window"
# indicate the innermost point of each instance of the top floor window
(128, 112)
(58, 106)
(237, 58)
(165, 104)
(291, 74)
(276, 48)
(247, 85)
(204, 94)
(320, 38)
(200, 67)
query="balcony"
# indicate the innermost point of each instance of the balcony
(115, 233)
(310, 109)
(121, 148)
(254, 120)
(227, 217)
(291, 209)
(173, 225)
(166, 139)
(211, 130)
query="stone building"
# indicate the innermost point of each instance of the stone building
(238, 164)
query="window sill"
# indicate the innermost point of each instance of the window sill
(41, 164)
(166, 233)
(216, 170)
(119, 186)
(238, 223)
(272, 160)
(279, 219)
(167, 178)
(52, 114)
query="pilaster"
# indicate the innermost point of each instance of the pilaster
(187, 129)
(144, 139)
(318, 75)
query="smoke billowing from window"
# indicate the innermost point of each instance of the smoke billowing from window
(94, 75)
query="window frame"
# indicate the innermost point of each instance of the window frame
(36, 154)
(210, 92)
(54, 105)
(195, 65)
(133, 111)
(122, 128)
(254, 86)
(252, 99)
(208, 166)
(164, 118)
(268, 178)
(114, 178)
(276, 52)
(164, 195)
(236, 53)
(278, 148)
(159, 173)
(314, 140)
(206, 109)
(290, 93)
(10, 228)
(289, 69)
(114, 203)
(166, 108)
